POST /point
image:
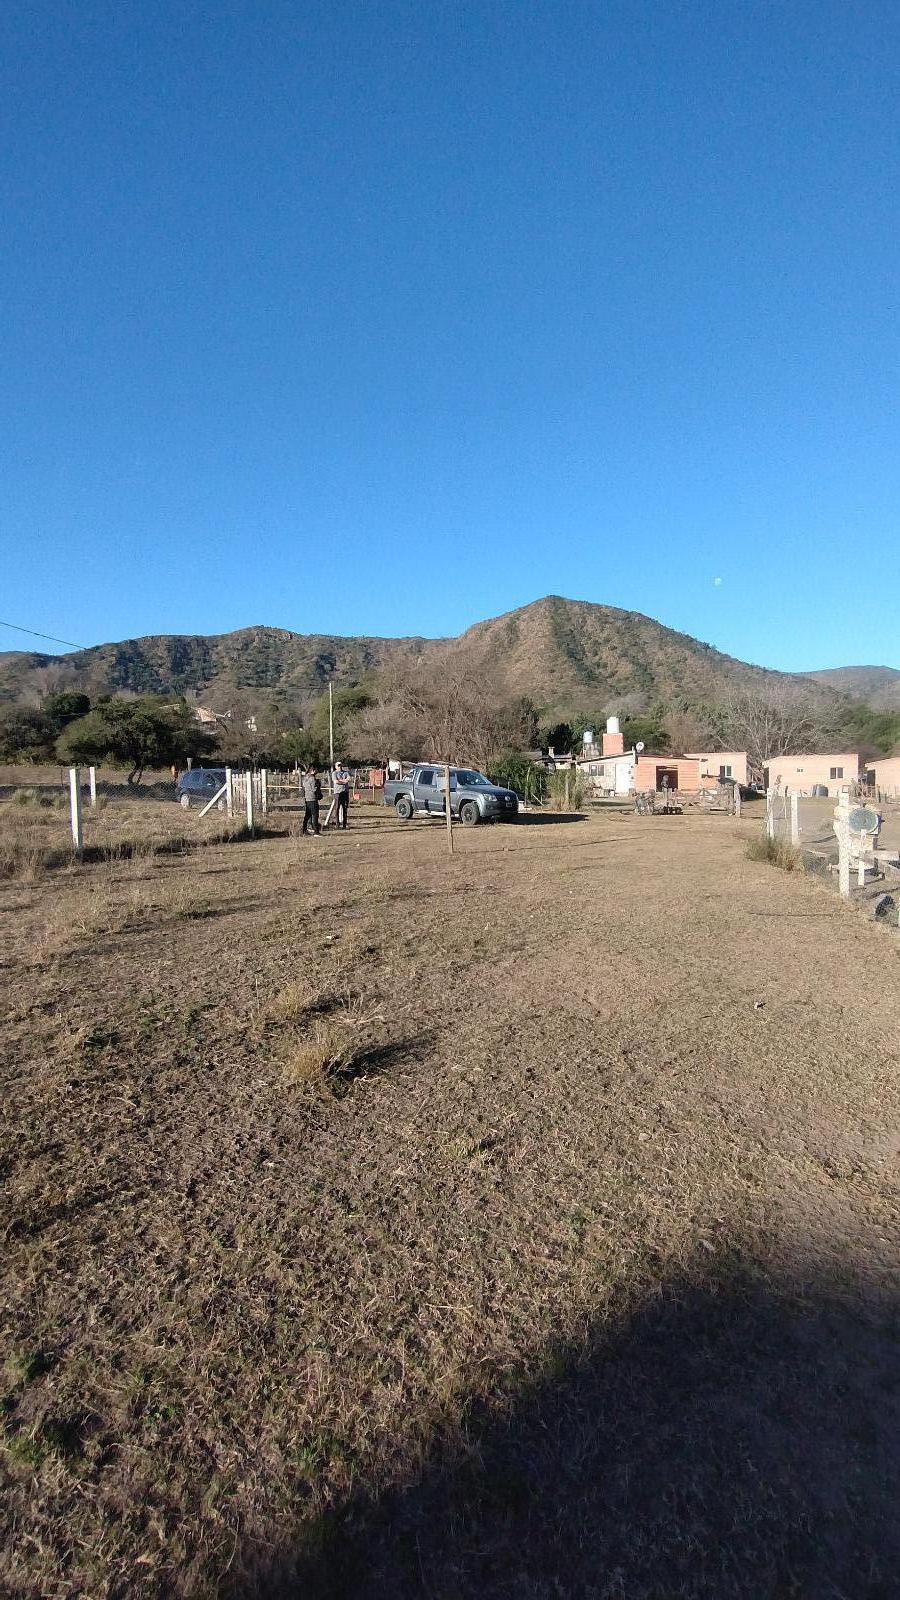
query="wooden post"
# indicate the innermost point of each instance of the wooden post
(447, 804)
(92, 775)
(264, 791)
(567, 788)
(330, 726)
(229, 792)
(737, 799)
(795, 819)
(75, 808)
(249, 783)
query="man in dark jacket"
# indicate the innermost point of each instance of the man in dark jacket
(312, 794)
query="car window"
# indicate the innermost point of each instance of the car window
(471, 780)
(426, 780)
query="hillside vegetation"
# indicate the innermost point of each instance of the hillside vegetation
(563, 654)
(566, 658)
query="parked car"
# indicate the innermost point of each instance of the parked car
(473, 798)
(197, 787)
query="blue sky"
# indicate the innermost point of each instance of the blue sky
(384, 318)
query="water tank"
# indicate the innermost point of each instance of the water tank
(588, 737)
(612, 725)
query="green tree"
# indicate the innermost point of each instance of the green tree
(65, 708)
(348, 704)
(561, 737)
(137, 734)
(26, 735)
(513, 770)
(301, 746)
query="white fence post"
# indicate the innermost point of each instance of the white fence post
(249, 783)
(92, 774)
(737, 799)
(264, 791)
(842, 830)
(795, 819)
(770, 813)
(75, 808)
(229, 792)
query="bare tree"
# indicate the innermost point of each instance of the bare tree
(439, 715)
(774, 724)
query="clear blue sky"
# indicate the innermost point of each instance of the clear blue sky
(386, 317)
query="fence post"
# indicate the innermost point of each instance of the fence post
(75, 808)
(770, 813)
(737, 799)
(229, 792)
(842, 829)
(92, 774)
(447, 803)
(795, 819)
(264, 791)
(249, 783)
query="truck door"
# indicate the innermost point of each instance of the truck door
(424, 791)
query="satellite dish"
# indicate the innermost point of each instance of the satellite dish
(639, 746)
(863, 819)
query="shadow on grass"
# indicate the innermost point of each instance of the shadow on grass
(734, 1438)
(541, 819)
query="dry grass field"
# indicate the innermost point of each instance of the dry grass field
(379, 1224)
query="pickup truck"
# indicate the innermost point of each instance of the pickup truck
(473, 798)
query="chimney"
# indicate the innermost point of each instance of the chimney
(613, 742)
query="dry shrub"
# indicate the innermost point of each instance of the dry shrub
(777, 852)
(22, 858)
(299, 998)
(318, 1057)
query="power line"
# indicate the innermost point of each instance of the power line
(51, 636)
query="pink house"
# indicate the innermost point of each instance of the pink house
(886, 777)
(716, 764)
(802, 774)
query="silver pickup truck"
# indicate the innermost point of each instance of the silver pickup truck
(473, 798)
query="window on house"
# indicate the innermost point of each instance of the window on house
(836, 772)
(725, 772)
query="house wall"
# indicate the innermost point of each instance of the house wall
(609, 776)
(711, 760)
(887, 776)
(798, 774)
(645, 772)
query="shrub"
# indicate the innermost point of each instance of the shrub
(567, 790)
(777, 852)
(514, 771)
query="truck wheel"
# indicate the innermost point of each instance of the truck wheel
(404, 808)
(468, 814)
(185, 800)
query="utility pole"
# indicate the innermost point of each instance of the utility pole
(330, 727)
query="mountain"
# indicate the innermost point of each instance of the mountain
(568, 656)
(878, 686)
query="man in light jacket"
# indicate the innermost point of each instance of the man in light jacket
(340, 783)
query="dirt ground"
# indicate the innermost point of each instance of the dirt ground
(378, 1224)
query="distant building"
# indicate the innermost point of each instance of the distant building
(886, 777)
(802, 774)
(718, 764)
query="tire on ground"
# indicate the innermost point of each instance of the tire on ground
(468, 814)
(404, 807)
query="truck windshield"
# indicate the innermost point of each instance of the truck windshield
(471, 780)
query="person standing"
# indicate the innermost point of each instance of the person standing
(312, 794)
(340, 783)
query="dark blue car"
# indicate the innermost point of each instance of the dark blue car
(197, 787)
